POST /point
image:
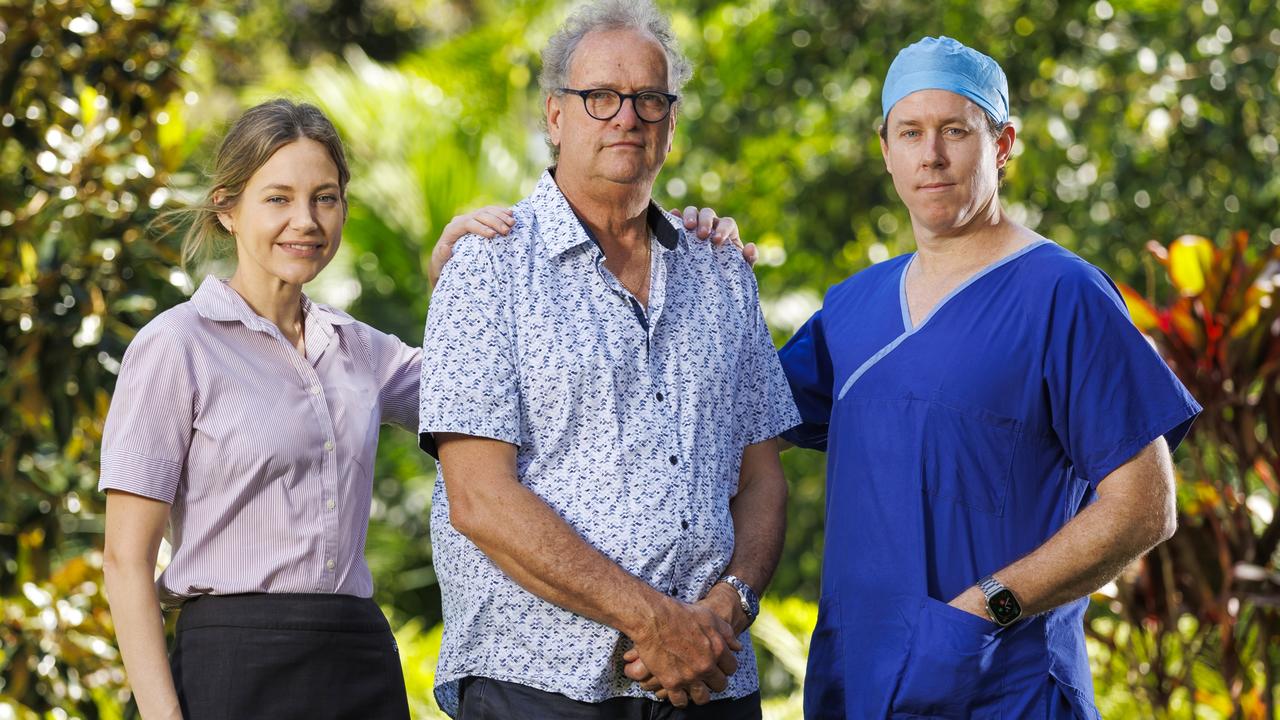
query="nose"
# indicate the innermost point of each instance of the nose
(934, 154)
(303, 218)
(627, 117)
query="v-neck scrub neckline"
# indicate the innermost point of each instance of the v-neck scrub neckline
(908, 329)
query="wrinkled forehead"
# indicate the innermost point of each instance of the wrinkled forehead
(622, 58)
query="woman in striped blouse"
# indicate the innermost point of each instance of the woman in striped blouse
(246, 420)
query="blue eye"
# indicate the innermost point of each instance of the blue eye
(277, 199)
(327, 199)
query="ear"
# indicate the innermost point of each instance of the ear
(671, 129)
(884, 153)
(554, 111)
(1004, 145)
(224, 218)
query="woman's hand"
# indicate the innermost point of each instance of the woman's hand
(705, 224)
(490, 221)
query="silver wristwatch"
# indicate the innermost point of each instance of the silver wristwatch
(747, 597)
(1003, 606)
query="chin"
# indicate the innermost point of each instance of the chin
(298, 276)
(624, 172)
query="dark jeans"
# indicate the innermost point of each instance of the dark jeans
(486, 699)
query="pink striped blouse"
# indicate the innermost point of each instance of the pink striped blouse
(265, 456)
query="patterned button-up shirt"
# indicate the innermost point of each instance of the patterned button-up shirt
(266, 456)
(629, 422)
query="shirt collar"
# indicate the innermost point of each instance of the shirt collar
(550, 204)
(215, 300)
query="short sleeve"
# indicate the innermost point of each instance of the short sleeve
(469, 381)
(1110, 393)
(764, 408)
(399, 372)
(807, 365)
(149, 424)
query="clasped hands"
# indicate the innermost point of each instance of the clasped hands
(687, 653)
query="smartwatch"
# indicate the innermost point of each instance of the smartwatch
(747, 597)
(1002, 605)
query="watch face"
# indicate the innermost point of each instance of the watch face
(1004, 607)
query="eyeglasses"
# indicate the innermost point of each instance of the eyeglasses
(603, 104)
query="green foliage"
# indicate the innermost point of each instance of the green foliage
(781, 635)
(91, 125)
(419, 649)
(58, 648)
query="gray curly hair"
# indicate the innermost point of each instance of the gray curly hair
(640, 15)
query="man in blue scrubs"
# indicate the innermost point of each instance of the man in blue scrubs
(998, 433)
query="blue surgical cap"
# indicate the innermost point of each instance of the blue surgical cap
(944, 64)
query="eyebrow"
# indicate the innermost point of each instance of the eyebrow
(953, 120)
(289, 188)
(609, 86)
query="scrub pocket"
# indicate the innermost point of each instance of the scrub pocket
(824, 697)
(968, 454)
(945, 672)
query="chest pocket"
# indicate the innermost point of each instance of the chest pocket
(968, 453)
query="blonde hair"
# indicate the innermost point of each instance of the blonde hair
(249, 144)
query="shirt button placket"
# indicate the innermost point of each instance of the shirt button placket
(328, 478)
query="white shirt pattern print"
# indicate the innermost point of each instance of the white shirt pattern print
(629, 423)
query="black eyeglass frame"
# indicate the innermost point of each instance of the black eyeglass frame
(622, 98)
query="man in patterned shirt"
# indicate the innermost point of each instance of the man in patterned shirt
(603, 396)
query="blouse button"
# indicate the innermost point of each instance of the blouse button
(331, 504)
(329, 564)
(328, 445)
(315, 389)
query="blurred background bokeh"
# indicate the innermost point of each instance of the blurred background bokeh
(1147, 142)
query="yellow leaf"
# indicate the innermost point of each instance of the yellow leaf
(1245, 322)
(74, 447)
(1189, 259)
(173, 132)
(88, 105)
(1143, 314)
(29, 262)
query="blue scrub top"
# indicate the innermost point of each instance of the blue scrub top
(955, 448)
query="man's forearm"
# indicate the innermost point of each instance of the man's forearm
(759, 513)
(1127, 520)
(533, 545)
(528, 541)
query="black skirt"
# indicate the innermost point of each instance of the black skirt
(287, 656)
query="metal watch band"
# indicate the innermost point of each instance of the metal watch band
(989, 586)
(747, 597)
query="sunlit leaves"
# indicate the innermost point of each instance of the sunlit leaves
(1189, 258)
(1220, 332)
